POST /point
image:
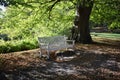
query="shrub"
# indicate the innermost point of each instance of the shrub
(27, 45)
(114, 25)
(20, 45)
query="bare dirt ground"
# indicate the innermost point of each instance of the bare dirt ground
(98, 61)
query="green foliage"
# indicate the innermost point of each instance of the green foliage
(114, 25)
(25, 20)
(12, 46)
(27, 45)
(23, 29)
(106, 12)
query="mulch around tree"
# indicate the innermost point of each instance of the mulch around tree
(98, 61)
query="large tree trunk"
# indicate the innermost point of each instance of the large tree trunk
(80, 30)
(83, 24)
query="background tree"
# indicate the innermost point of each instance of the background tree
(83, 8)
(106, 13)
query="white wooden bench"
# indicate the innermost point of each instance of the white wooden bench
(54, 43)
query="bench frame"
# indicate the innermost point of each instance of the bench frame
(54, 43)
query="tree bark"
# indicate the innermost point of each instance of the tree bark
(82, 22)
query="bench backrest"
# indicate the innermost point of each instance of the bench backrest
(52, 40)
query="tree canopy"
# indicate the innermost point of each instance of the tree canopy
(26, 14)
(104, 11)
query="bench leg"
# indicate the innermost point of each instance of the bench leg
(40, 53)
(48, 54)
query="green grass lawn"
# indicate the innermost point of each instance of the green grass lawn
(106, 35)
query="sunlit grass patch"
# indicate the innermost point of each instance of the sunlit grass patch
(106, 35)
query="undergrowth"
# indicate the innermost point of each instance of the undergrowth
(13, 46)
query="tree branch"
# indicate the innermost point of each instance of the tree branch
(52, 6)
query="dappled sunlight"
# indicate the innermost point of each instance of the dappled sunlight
(87, 65)
(19, 60)
(95, 61)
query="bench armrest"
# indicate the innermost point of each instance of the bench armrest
(71, 41)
